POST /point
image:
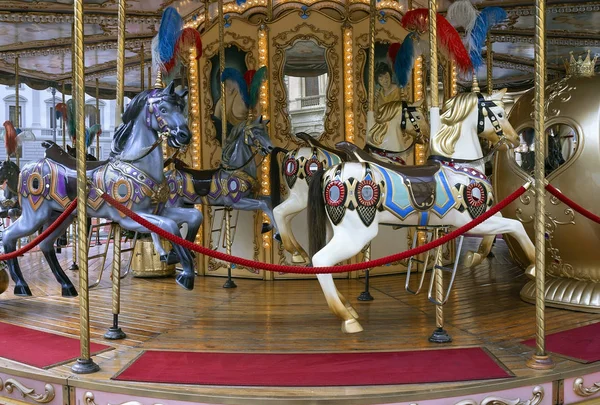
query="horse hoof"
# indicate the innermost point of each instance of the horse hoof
(266, 227)
(170, 258)
(185, 281)
(530, 271)
(298, 258)
(277, 237)
(69, 292)
(22, 290)
(351, 326)
(473, 259)
(352, 311)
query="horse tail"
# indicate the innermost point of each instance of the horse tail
(275, 177)
(317, 217)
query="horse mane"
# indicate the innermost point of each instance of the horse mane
(232, 136)
(384, 114)
(454, 112)
(10, 138)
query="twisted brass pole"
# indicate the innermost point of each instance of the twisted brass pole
(64, 130)
(142, 68)
(149, 77)
(489, 62)
(120, 62)
(540, 360)
(98, 117)
(84, 364)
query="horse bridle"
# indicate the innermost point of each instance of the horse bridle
(258, 146)
(408, 114)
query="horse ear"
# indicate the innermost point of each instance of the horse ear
(170, 88)
(181, 92)
(498, 95)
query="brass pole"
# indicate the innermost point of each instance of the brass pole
(540, 360)
(64, 129)
(142, 57)
(18, 120)
(120, 62)
(98, 117)
(84, 364)
(489, 61)
(149, 77)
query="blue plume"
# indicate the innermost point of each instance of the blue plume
(488, 17)
(237, 77)
(405, 59)
(171, 24)
(240, 2)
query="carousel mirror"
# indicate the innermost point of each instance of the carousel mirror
(561, 143)
(306, 79)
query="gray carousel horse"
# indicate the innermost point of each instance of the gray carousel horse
(133, 176)
(9, 173)
(233, 184)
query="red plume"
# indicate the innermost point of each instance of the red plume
(248, 76)
(189, 37)
(10, 138)
(449, 41)
(393, 51)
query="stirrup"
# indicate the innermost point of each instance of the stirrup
(447, 269)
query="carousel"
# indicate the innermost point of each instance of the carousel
(432, 164)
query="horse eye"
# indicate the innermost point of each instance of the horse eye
(500, 115)
(163, 110)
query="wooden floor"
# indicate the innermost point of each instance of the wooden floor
(291, 316)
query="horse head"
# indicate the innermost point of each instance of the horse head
(9, 171)
(255, 135)
(496, 127)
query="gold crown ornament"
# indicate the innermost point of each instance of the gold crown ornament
(581, 67)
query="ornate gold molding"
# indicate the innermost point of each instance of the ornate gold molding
(281, 123)
(538, 395)
(89, 399)
(582, 391)
(26, 392)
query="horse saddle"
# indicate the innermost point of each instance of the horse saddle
(60, 156)
(201, 179)
(419, 180)
(346, 157)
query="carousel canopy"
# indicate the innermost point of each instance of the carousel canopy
(39, 33)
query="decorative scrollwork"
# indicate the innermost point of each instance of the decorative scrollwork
(561, 90)
(538, 395)
(585, 391)
(89, 399)
(44, 398)
(557, 266)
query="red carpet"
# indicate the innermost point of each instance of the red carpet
(581, 344)
(314, 369)
(40, 349)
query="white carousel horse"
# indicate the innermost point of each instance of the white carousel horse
(355, 198)
(398, 128)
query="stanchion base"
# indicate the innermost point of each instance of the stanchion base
(537, 362)
(114, 333)
(365, 296)
(85, 366)
(440, 336)
(74, 267)
(229, 284)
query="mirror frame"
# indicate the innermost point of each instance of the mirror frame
(281, 121)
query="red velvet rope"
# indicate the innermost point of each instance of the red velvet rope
(556, 193)
(314, 270)
(43, 235)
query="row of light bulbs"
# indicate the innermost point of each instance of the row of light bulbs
(263, 55)
(348, 86)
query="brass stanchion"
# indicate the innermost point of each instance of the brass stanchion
(540, 360)
(98, 243)
(439, 335)
(84, 364)
(17, 124)
(115, 332)
(366, 295)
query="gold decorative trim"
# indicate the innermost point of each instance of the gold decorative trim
(281, 123)
(89, 399)
(582, 391)
(44, 398)
(538, 395)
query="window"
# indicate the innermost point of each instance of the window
(91, 115)
(12, 116)
(561, 144)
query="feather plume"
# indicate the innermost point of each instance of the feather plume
(90, 133)
(10, 138)
(157, 64)
(240, 2)
(488, 17)
(393, 51)
(258, 78)
(237, 77)
(190, 37)
(171, 24)
(405, 60)
(61, 111)
(71, 124)
(449, 41)
(462, 13)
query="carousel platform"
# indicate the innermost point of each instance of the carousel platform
(291, 317)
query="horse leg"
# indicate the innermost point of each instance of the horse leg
(29, 222)
(284, 213)
(47, 248)
(347, 304)
(497, 224)
(251, 204)
(165, 257)
(190, 216)
(342, 246)
(485, 247)
(186, 278)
